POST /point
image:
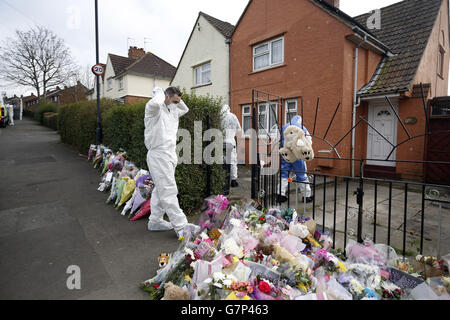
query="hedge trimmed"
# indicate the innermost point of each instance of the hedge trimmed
(50, 119)
(77, 122)
(43, 107)
(123, 128)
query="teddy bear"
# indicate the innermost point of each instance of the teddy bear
(174, 292)
(302, 150)
(163, 260)
(291, 135)
(296, 146)
(288, 155)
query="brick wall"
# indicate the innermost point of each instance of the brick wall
(318, 62)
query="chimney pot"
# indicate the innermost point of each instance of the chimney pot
(333, 3)
(135, 53)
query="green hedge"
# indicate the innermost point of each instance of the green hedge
(50, 119)
(77, 122)
(123, 127)
(43, 107)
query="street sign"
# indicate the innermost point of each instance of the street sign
(98, 70)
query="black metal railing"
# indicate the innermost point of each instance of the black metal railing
(325, 191)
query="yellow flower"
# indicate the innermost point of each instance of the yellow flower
(232, 296)
(181, 238)
(302, 287)
(235, 259)
(187, 278)
(341, 266)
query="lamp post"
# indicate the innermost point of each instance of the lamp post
(99, 128)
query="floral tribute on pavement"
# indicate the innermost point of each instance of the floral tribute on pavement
(242, 253)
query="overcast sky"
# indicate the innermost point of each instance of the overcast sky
(162, 26)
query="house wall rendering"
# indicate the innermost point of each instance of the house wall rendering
(206, 45)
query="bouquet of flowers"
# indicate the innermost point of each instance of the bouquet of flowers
(330, 263)
(389, 291)
(219, 280)
(265, 290)
(214, 212)
(304, 279)
(241, 289)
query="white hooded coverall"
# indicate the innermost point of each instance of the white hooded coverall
(161, 126)
(231, 126)
(10, 109)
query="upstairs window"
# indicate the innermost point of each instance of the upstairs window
(110, 84)
(268, 54)
(202, 74)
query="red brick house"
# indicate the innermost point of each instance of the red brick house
(30, 102)
(67, 95)
(311, 49)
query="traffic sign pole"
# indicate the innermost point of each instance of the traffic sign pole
(99, 127)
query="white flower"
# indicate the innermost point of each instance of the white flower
(190, 252)
(389, 286)
(217, 276)
(298, 230)
(235, 222)
(231, 247)
(204, 236)
(209, 280)
(227, 282)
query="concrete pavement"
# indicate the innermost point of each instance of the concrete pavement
(52, 217)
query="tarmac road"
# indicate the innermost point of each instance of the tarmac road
(53, 217)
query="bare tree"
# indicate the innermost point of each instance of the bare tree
(36, 58)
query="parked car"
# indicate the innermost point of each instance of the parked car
(4, 119)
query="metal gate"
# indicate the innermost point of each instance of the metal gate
(412, 217)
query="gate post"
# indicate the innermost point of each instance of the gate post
(359, 200)
(255, 175)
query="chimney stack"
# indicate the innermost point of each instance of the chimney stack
(333, 3)
(135, 52)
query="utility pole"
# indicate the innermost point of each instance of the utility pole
(99, 128)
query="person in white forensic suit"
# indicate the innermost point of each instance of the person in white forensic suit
(231, 127)
(162, 114)
(10, 109)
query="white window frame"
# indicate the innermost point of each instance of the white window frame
(110, 83)
(286, 109)
(263, 131)
(121, 83)
(246, 114)
(269, 45)
(201, 82)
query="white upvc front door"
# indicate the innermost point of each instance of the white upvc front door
(383, 119)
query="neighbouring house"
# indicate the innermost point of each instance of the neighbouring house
(131, 79)
(310, 51)
(204, 65)
(18, 107)
(30, 102)
(67, 94)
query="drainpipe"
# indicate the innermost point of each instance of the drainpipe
(228, 42)
(356, 100)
